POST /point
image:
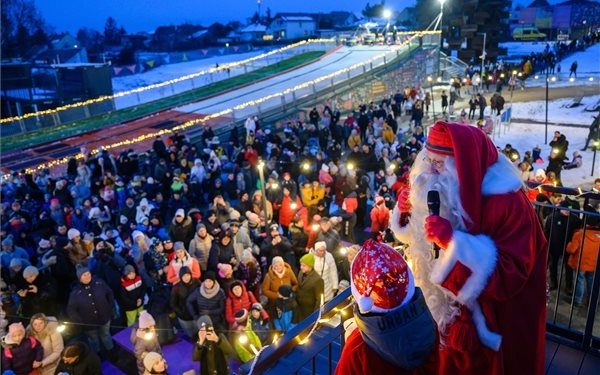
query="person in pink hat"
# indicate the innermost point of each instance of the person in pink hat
(392, 331)
(485, 280)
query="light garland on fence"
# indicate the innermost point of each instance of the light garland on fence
(224, 112)
(162, 84)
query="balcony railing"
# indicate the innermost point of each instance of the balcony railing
(314, 345)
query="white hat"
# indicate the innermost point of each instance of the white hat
(72, 233)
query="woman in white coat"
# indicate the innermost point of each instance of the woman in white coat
(44, 329)
(326, 268)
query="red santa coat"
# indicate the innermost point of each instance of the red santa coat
(513, 301)
(496, 270)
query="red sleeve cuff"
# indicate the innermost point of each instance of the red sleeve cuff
(457, 277)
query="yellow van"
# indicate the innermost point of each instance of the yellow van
(528, 33)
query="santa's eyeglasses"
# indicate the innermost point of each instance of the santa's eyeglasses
(437, 164)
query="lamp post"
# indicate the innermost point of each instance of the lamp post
(596, 145)
(546, 122)
(512, 82)
(386, 14)
(430, 80)
(442, 23)
(261, 166)
(482, 62)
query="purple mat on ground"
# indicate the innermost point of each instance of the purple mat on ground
(177, 354)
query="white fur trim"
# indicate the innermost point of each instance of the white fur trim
(488, 338)
(478, 253)
(402, 234)
(500, 178)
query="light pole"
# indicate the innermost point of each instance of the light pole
(441, 24)
(430, 80)
(482, 62)
(546, 122)
(261, 166)
(596, 145)
(386, 14)
(512, 82)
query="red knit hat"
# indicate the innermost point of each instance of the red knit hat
(439, 140)
(381, 279)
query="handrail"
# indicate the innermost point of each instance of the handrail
(291, 339)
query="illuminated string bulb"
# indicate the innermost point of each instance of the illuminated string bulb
(61, 328)
(293, 205)
(243, 339)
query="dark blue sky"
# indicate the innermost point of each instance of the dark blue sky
(146, 15)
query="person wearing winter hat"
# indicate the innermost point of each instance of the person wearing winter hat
(326, 268)
(154, 363)
(144, 339)
(178, 297)
(243, 328)
(182, 258)
(79, 359)
(278, 274)
(380, 218)
(131, 294)
(91, 304)
(10, 252)
(310, 288)
(258, 319)
(285, 312)
(212, 349)
(38, 290)
(238, 298)
(489, 283)
(383, 288)
(80, 251)
(20, 354)
(209, 299)
(182, 227)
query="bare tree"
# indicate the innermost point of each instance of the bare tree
(21, 27)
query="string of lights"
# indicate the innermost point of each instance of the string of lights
(223, 67)
(225, 112)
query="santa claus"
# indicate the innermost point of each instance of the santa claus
(392, 331)
(486, 290)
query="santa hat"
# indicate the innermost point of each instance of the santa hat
(380, 278)
(474, 153)
(146, 320)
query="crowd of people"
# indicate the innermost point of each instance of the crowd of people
(228, 241)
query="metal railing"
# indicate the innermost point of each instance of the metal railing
(574, 324)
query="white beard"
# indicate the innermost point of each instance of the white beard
(441, 302)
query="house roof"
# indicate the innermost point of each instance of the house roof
(539, 4)
(297, 18)
(57, 55)
(254, 28)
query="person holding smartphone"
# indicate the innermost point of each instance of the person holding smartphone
(211, 349)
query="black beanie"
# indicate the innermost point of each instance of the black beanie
(183, 271)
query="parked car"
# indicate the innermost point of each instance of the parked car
(528, 33)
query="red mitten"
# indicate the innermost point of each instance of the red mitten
(403, 202)
(438, 230)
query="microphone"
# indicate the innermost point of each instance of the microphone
(433, 204)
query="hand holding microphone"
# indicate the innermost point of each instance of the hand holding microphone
(437, 229)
